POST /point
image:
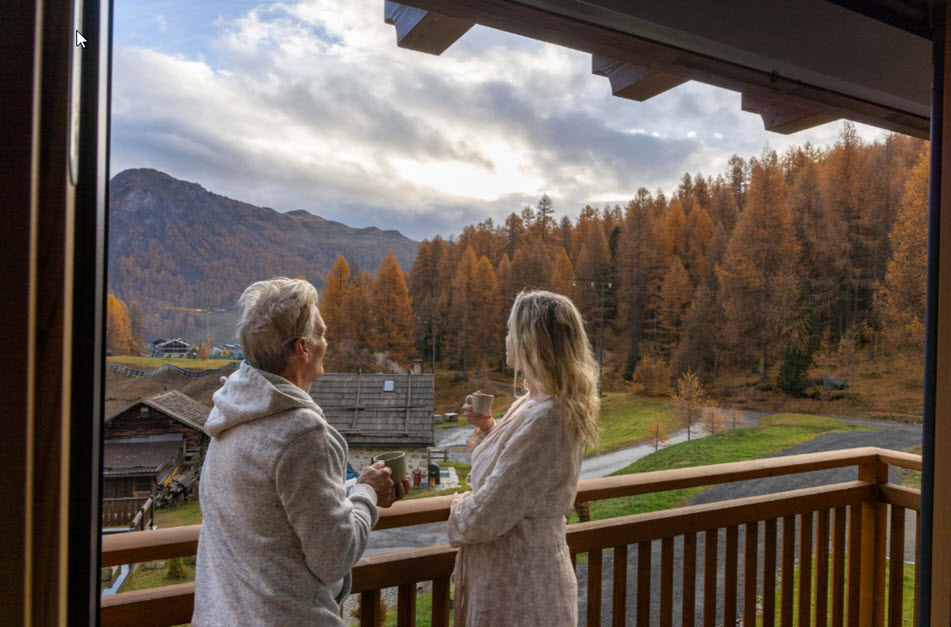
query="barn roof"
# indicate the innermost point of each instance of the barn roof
(368, 411)
(140, 455)
(176, 405)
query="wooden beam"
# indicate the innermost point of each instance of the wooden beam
(938, 359)
(632, 81)
(423, 31)
(579, 34)
(784, 118)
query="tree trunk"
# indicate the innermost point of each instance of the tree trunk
(762, 367)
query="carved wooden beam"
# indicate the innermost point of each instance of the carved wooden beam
(423, 31)
(785, 118)
(633, 82)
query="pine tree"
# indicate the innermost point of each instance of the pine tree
(562, 274)
(757, 278)
(332, 297)
(634, 265)
(546, 210)
(670, 307)
(485, 313)
(802, 341)
(902, 299)
(690, 398)
(393, 311)
(118, 328)
(202, 351)
(463, 282)
(357, 332)
(657, 433)
(137, 326)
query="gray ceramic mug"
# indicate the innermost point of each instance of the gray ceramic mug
(396, 462)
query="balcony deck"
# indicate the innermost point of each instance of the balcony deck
(844, 537)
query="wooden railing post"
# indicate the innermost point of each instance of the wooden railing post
(874, 528)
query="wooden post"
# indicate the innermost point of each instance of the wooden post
(872, 542)
(934, 598)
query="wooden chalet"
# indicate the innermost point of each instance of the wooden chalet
(880, 62)
(169, 348)
(133, 471)
(388, 410)
(135, 467)
(167, 413)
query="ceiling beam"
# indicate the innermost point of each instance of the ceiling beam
(783, 118)
(632, 81)
(423, 31)
(580, 34)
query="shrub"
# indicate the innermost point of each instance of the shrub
(175, 568)
(654, 374)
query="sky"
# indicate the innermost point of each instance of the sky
(310, 105)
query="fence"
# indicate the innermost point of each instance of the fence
(192, 374)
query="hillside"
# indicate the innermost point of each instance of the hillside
(173, 243)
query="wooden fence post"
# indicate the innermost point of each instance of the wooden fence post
(874, 528)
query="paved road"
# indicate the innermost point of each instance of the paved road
(893, 436)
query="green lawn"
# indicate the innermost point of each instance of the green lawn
(625, 419)
(186, 514)
(142, 578)
(151, 363)
(424, 610)
(774, 434)
(908, 594)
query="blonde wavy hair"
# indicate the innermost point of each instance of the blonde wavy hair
(552, 350)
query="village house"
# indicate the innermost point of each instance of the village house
(379, 412)
(169, 348)
(135, 470)
(163, 414)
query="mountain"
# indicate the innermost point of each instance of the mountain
(174, 243)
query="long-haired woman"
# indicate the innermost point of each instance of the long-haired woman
(513, 566)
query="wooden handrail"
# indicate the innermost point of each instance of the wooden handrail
(154, 607)
(144, 545)
(623, 530)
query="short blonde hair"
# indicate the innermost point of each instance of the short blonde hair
(551, 348)
(274, 314)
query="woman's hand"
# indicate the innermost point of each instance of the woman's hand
(457, 498)
(485, 422)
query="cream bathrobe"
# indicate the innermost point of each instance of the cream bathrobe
(513, 566)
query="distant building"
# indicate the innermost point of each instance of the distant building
(379, 412)
(169, 348)
(154, 447)
(136, 467)
(163, 414)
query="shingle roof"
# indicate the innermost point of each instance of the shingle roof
(178, 406)
(359, 408)
(139, 455)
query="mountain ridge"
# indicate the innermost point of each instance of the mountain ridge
(173, 243)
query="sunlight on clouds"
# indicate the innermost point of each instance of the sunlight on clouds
(510, 173)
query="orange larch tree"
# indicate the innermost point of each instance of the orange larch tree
(393, 311)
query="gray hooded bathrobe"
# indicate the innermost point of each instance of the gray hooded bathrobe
(280, 532)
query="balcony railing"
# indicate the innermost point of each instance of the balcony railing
(132, 512)
(845, 537)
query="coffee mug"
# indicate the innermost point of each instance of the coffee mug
(396, 462)
(482, 403)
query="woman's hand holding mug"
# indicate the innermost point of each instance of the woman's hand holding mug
(484, 422)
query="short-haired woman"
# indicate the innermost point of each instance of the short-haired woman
(280, 532)
(513, 566)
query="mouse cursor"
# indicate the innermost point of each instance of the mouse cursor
(80, 40)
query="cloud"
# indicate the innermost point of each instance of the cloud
(311, 105)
